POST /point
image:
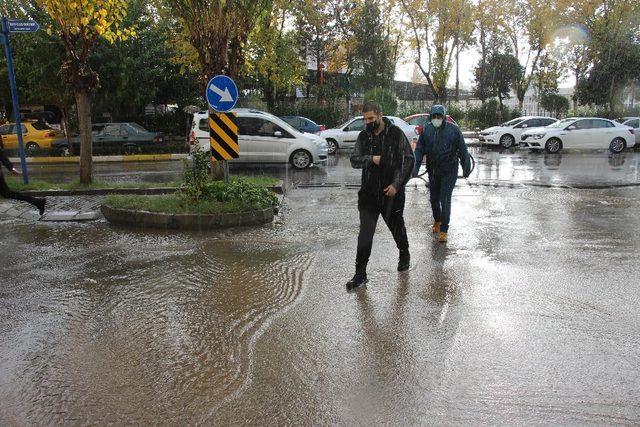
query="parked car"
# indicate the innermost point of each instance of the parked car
(624, 119)
(580, 132)
(122, 138)
(302, 124)
(421, 120)
(508, 134)
(634, 122)
(345, 135)
(35, 136)
(264, 138)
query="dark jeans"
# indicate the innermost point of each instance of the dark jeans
(441, 189)
(392, 210)
(8, 194)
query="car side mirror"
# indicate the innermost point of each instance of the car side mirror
(525, 126)
(571, 127)
(277, 134)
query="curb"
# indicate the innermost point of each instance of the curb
(145, 219)
(105, 159)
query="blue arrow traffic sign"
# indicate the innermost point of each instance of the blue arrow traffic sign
(221, 94)
(22, 26)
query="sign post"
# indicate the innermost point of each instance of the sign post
(16, 26)
(222, 95)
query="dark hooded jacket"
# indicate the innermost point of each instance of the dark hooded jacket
(396, 163)
(443, 146)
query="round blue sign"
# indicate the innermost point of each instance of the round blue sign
(221, 94)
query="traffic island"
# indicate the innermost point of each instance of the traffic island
(201, 205)
(157, 220)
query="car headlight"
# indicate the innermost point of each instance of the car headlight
(538, 136)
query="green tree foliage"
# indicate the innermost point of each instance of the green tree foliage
(141, 70)
(385, 98)
(274, 64)
(373, 57)
(498, 76)
(554, 103)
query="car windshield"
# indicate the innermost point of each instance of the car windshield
(561, 123)
(513, 122)
(40, 126)
(137, 127)
(342, 126)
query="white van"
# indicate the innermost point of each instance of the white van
(264, 138)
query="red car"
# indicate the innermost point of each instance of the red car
(420, 120)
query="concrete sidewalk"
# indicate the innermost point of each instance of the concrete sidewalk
(59, 209)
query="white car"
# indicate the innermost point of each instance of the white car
(580, 132)
(345, 135)
(508, 134)
(634, 122)
(264, 138)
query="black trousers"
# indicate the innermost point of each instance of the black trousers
(392, 211)
(6, 192)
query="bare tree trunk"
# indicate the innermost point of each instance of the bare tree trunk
(65, 126)
(575, 90)
(217, 170)
(86, 147)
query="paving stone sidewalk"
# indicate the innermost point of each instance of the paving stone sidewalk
(59, 209)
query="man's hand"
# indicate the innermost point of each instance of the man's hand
(390, 191)
(376, 160)
(15, 171)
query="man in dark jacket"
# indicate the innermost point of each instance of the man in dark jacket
(444, 146)
(385, 157)
(4, 188)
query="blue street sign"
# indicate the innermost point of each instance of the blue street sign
(221, 94)
(22, 26)
(14, 94)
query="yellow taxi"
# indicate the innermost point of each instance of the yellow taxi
(35, 136)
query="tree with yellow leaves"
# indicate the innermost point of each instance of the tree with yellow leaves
(441, 28)
(78, 24)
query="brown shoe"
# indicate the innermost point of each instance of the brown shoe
(442, 237)
(436, 227)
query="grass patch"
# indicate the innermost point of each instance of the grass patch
(16, 183)
(180, 203)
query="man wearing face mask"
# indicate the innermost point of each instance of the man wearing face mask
(385, 157)
(444, 146)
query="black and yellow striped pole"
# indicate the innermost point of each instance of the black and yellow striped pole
(223, 135)
(221, 95)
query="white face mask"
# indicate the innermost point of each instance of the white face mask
(436, 122)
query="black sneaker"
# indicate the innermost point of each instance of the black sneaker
(358, 281)
(404, 262)
(41, 206)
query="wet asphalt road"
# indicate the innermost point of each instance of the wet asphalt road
(581, 169)
(529, 315)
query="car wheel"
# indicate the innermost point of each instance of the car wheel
(130, 149)
(30, 148)
(507, 141)
(332, 146)
(617, 145)
(553, 145)
(300, 159)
